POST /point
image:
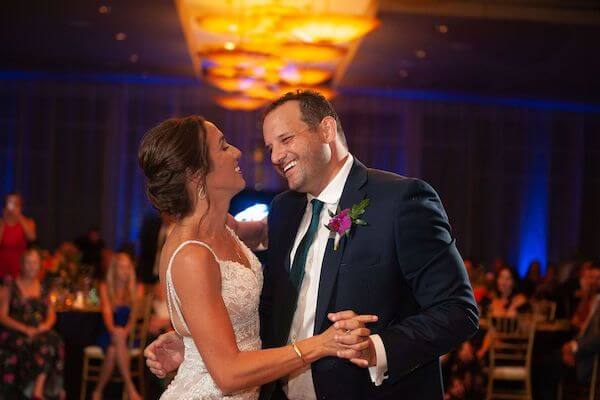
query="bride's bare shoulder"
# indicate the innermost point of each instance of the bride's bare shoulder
(195, 264)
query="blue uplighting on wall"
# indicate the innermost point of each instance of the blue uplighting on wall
(533, 243)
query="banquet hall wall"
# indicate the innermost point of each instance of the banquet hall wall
(519, 179)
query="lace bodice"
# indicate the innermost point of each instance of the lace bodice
(240, 289)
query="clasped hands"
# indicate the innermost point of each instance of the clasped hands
(34, 331)
(351, 339)
(346, 338)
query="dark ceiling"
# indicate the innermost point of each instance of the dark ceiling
(480, 55)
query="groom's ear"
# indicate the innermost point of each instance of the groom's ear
(328, 129)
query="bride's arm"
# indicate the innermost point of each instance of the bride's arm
(197, 279)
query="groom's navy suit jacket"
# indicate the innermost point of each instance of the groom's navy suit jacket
(403, 266)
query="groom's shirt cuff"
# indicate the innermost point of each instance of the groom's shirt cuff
(379, 372)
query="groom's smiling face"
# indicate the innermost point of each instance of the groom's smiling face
(298, 153)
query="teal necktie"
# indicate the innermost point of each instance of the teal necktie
(299, 263)
(297, 273)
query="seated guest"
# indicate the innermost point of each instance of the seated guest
(533, 278)
(119, 296)
(570, 290)
(464, 366)
(153, 234)
(589, 283)
(16, 231)
(32, 354)
(578, 353)
(476, 274)
(506, 302)
(456, 389)
(91, 245)
(546, 290)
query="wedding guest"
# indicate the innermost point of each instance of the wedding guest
(589, 283)
(16, 231)
(456, 389)
(507, 301)
(91, 245)
(119, 295)
(476, 275)
(497, 264)
(576, 355)
(33, 353)
(547, 288)
(463, 364)
(532, 279)
(153, 234)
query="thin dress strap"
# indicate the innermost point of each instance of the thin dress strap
(172, 298)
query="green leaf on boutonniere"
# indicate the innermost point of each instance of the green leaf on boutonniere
(360, 222)
(363, 204)
(358, 209)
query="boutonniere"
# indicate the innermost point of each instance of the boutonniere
(342, 222)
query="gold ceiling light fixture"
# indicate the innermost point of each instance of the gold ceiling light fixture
(329, 28)
(235, 84)
(239, 58)
(249, 23)
(310, 53)
(239, 102)
(262, 92)
(305, 76)
(255, 50)
(240, 25)
(222, 71)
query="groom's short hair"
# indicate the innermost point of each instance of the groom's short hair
(313, 106)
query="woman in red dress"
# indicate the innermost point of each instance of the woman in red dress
(16, 231)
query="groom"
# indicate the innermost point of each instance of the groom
(399, 262)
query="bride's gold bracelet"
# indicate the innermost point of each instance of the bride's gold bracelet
(298, 352)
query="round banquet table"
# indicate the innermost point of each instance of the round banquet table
(78, 328)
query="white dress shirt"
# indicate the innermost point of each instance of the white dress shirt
(300, 384)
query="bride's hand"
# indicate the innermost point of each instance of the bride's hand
(165, 354)
(362, 354)
(348, 337)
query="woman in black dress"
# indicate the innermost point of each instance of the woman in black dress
(31, 354)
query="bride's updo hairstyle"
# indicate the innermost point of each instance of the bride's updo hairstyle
(170, 154)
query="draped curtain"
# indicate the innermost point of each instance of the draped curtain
(517, 181)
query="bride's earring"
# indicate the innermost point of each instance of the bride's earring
(201, 193)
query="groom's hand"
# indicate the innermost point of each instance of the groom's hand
(165, 354)
(358, 347)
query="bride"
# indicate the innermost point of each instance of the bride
(212, 280)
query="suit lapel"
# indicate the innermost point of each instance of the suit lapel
(353, 193)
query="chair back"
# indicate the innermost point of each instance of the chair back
(544, 310)
(512, 341)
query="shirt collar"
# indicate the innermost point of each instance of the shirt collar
(333, 191)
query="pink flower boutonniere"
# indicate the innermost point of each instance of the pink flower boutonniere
(342, 222)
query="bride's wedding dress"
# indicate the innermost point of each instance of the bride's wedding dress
(240, 289)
